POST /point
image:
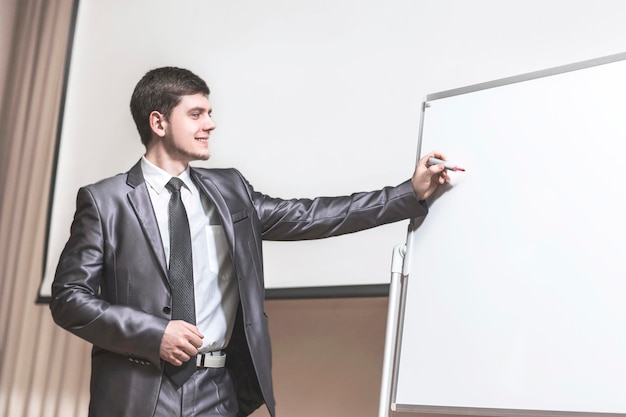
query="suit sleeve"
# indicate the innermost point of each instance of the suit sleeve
(322, 217)
(76, 303)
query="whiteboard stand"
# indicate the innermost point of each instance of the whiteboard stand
(391, 335)
(395, 319)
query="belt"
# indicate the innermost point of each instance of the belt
(216, 359)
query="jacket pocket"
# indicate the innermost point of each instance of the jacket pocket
(238, 216)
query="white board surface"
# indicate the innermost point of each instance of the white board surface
(516, 279)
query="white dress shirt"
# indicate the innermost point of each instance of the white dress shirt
(215, 286)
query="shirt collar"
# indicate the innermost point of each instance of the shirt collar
(156, 178)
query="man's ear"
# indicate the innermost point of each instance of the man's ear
(157, 123)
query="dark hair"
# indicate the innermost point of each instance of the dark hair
(161, 90)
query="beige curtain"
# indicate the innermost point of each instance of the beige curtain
(43, 370)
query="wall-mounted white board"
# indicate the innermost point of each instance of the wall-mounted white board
(516, 280)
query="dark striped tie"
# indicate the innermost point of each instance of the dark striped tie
(180, 275)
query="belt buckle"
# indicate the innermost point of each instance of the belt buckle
(215, 359)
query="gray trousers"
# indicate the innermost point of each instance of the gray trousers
(210, 392)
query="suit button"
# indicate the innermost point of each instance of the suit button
(167, 309)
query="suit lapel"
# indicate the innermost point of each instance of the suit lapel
(140, 201)
(210, 189)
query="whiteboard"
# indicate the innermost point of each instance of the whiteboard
(516, 279)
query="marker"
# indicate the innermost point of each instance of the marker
(448, 165)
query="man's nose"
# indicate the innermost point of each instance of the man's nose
(209, 124)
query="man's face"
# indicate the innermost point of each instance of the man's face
(188, 129)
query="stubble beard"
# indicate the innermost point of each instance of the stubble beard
(185, 154)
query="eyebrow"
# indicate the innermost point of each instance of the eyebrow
(200, 109)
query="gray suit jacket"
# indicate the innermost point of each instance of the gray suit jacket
(111, 286)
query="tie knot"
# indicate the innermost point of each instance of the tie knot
(174, 184)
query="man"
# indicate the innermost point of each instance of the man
(117, 281)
